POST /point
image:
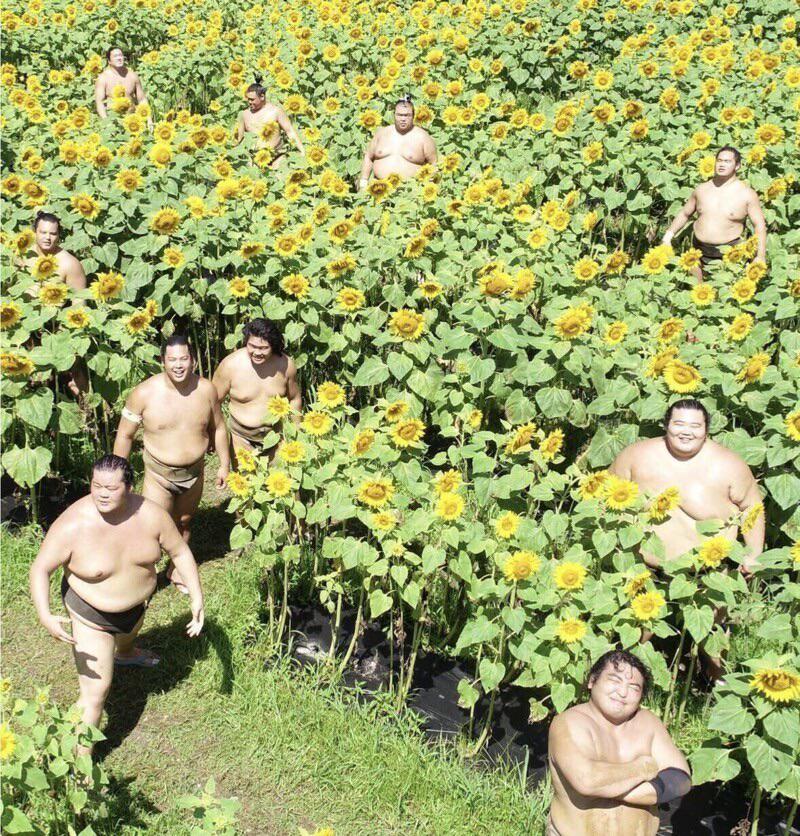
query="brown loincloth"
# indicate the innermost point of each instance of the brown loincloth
(711, 252)
(253, 435)
(177, 479)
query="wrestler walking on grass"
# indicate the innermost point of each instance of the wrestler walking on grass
(722, 205)
(179, 414)
(108, 544)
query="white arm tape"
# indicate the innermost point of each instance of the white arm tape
(131, 416)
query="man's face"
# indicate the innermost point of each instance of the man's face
(258, 350)
(403, 117)
(46, 235)
(178, 363)
(726, 164)
(116, 58)
(617, 691)
(686, 431)
(254, 101)
(109, 491)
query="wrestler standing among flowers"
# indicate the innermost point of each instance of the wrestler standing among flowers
(179, 413)
(722, 204)
(116, 78)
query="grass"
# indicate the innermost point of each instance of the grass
(295, 748)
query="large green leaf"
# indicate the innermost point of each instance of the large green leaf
(27, 466)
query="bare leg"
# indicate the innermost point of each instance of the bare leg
(94, 658)
(697, 272)
(183, 512)
(152, 490)
(124, 643)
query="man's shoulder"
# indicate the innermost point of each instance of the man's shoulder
(572, 717)
(646, 721)
(725, 456)
(640, 447)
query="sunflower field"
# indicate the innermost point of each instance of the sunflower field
(474, 345)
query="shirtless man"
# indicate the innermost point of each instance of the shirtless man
(47, 229)
(402, 148)
(251, 376)
(108, 544)
(266, 120)
(114, 75)
(179, 413)
(723, 204)
(611, 761)
(713, 482)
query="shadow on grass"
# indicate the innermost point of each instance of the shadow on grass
(211, 533)
(127, 803)
(132, 687)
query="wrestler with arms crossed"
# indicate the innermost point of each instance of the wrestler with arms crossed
(179, 413)
(108, 544)
(612, 761)
(267, 120)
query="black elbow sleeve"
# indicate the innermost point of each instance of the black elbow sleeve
(670, 784)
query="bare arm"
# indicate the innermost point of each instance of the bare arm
(756, 215)
(666, 755)
(74, 275)
(100, 97)
(54, 552)
(572, 752)
(293, 391)
(128, 425)
(239, 130)
(621, 466)
(221, 381)
(366, 165)
(220, 441)
(286, 123)
(141, 96)
(430, 150)
(183, 559)
(754, 538)
(681, 219)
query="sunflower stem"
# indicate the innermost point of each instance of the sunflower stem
(356, 628)
(688, 684)
(787, 829)
(756, 812)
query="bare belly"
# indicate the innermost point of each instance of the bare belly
(717, 231)
(252, 413)
(679, 535)
(395, 164)
(607, 819)
(124, 589)
(177, 448)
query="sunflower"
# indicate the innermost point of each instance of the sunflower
(295, 285)
(292, 452)
(740, 327)
(251, 249)
(753, 368)
(575, 322)
(647, 605)
(245, 460)
(524, 283)
(107, 286)
(10, 315)
(569, 575)
(586, 269)
(8, 742)
(792, 424)
(430, 289)
(350, 299)
(743, 290)
(16, 365)
(239, 485)
(620, 494)
(656, 259)
(637, 583)
(407, 324)
(227, 189)
(666, 502)
(317, 423)
(571, 630)
(615, 333)
(330, 395)
(160, 154)
(407, 433)
(506, 525)
(278, 483)
(714, 550)
(522, 437)
(592, 485)
(669, 330)
(278, 406)
(384, 521)
(77, 318)
(449, 506)
(690, 260)
(165, 221)
(44, 267)
(239, 287)
(362, 442)
(84, 204)
(447, 481)
(520, 565)
(551, 445)
(376, 492)
(681, 377)
(777, 684)
(703, 294)
(173, 257)
(138, 321)
(128, 179)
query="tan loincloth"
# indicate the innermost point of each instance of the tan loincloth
(177, 479)
(253, 435)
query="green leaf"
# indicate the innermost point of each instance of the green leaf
(379, 603)
(15, 821)
(730, 717)
(399, 364)
(777, 628)
(491, 674)
(769, 765)
(784, 489)
(783, 724)
(372, 372)
(36, 408)
(70, 418)
(563, 695)
(713, 764)
(554, 403)
(35, 779)
(240, 536)
(467, 694)
(411, 594)
(477, 631)
(698, 621)
(25, 466)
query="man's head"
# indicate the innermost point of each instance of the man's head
(728, 161)
(256, 95)
(618, 682)
(115, 57)
(178, 358)
(112, 480)
(404, 114)
(686, 427)
(47, 229)
(262, 339)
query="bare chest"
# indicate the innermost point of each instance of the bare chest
(704, 491)
(622, 746)
(173, 412)
(247, 386)
(731, 206)
(99, 554)
(407, 147)
(256, 121)
(128, 84)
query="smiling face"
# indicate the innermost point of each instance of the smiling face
(726, 164)
(46, 236)
(254, 101)
(109, 491)
(404, 117)
(617, 691)
(116, 58)
(686, 432)
(178, 363)
(258, 350)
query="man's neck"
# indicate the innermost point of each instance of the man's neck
(682, 457)
(183, 388)
(602, 720)
(54, 250)
(120, 71)
(723, 181)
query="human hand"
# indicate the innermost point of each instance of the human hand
(52, 623)
(222, 475)
(194, 627)
(648, 766)
(667, 239)
(747, 569)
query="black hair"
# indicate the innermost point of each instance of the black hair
(177, 339)
(615, 658)
(686, 403)
(111, 49)
(257, 87)
(46, 217)
(264, 329)
(737, 154)
(110, 463)
(405, 99)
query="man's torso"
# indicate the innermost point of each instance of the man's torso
(255, 122)
(111, 79)
(251, 386)
(397, 153)
(721, 212)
